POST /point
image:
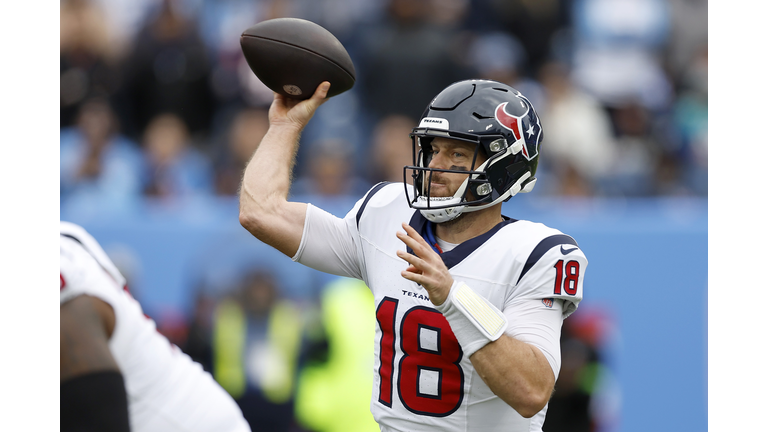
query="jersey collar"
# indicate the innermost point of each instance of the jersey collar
(451, 258)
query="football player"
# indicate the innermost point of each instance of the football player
(469, 302)
(117, 372)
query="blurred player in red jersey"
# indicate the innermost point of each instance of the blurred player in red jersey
(117, 372)
(469, 303)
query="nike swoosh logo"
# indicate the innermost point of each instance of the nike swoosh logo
(566, 252)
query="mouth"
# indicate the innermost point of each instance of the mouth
(438, 189)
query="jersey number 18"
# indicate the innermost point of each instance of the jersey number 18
(430, 380)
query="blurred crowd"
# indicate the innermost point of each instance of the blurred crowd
(158, 102)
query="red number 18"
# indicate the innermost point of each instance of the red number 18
(571, 282)
(430, 380)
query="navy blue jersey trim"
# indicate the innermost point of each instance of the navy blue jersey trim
(455, 256)
(82, 245)
(88, 251)
(367, 198)
(542, 248)
(74, 238)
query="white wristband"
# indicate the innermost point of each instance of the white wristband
(473, 319)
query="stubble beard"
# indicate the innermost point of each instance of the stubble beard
(440, 178)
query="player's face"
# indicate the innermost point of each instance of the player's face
(455, 155)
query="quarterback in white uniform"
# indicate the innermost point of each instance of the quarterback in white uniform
(117, 372)
(469, 303)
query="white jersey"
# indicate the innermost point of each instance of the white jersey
(166, 390)
(422, 379)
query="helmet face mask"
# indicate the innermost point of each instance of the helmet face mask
(500, 122)
(475, 189)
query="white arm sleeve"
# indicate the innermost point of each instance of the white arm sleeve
(531, 321)
(329, 244)
(536, 311)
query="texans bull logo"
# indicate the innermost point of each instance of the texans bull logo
(521, 125)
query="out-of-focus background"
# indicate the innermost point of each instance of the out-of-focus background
(159, 114)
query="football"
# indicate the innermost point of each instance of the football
(293, 56)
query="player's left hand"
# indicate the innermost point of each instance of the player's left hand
(426, 267)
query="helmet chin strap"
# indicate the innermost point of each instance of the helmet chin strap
(443, 214)
(451, 213)
(514, 190)
(529, 186)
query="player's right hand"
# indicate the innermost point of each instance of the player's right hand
(295, 113)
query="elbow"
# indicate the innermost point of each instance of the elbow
(251, 221)
(533, 403)
(246, 220)
(532, 407)
(526, 399)
(255, 211)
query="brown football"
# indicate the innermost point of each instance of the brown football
(293, 56)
